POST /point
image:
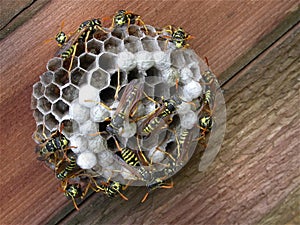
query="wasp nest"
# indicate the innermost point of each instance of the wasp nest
(136, 73)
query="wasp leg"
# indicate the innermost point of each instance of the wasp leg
(100, 103)
(118, 86)
(72, 58)
(143, 24)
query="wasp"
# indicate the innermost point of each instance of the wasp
(156, 184)
(127, 105)
(112, 188)
(161, 116)
(75, 189)
(68, 48)
(72, 191)
(209, 78)
(51, 145)
(67, 168)
(183, 143)
(123, 17)
(135, 159)
(60, 37)
(177, 36)
(209, 98)
(205, 124)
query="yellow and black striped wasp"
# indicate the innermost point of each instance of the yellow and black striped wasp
(75, 187)
(136, 159)
(112, 188)
(68, 48)
(60, 37)
(210, 80)
(66, 168)
(50, 146)
(161, 116)
(177, 36)
(156, 184)
(126, 107)
(123, 17)
(72, 191)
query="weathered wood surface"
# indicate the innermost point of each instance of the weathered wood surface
(224, 31)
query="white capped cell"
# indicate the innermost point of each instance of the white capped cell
(80, 142)
(188, 120)
(79, 112)
(156, 155)
(98, 113)
(144, 60)
(126, 61)
(170, 76)
(96, 143)
(86, 160)
(186, 75)
(183, 108)
(105, 158)
(88, 128)
(191, 91)
(162, 60)
(88, 92)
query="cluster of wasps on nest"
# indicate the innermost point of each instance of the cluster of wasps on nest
(55, 149)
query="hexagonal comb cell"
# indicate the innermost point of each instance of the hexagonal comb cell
(78, 77)
(107, 95)
(150, 44)
(67, 63)
(100, 79)
(119, 32)
(153, 72)
(117, 77)
(40, 133)
(113, 45)
(135, 31)
(38, 116)
(33, 104)
(87, 61)
(133, 44)
(50, 122)
(54, 64)
(70, 93)
(101, 35)
(134, 74)
(44, 105)
(47, 78)
(61, 77)
(52, 92)
(70, 127)
(60, 108)
(38, 90)
(95, 47)
(107, 61)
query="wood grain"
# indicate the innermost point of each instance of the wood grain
(224, 31)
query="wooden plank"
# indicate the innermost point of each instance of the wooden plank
(224, 30)
(14, 13)
(279, 216)
(10, 10)
(256, 170)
